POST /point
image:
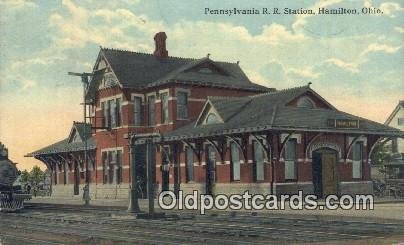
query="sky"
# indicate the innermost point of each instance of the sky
(354, 61)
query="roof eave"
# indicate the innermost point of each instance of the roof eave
(285, 128)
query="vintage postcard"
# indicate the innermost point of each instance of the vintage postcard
(201, 122)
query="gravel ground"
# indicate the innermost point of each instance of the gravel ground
(72, 224)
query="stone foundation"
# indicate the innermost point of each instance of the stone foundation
(111, 191)
(356, 187)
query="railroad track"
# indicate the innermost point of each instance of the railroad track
(19, 239)
(239, 227)
(217, 228)
(117, 232)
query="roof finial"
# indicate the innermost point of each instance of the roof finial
(309, 84)
(238, 62)
(208, 55)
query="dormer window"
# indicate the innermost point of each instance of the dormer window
(205, 70)
(305, 102)
(109, 80)
(212, 119)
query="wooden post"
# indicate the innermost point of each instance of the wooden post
(133, 201)
(177, 176)
(151, 174)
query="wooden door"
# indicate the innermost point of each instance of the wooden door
(76, 178)
(329, 173)
(210, 170)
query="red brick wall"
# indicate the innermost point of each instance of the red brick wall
(197, 97)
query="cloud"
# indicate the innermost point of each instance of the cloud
(362, 57)
(390, 9)
(301, 20)
(376, 47)
(17, 4)
(352, 67)
(303, 72)
(277, 34)
(27, 83)
(399, 29)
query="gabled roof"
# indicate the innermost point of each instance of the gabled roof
(83, 130)
(65, 145)
(393, 114)
(271, 111)
(141, 70)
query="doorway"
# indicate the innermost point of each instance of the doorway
(76, 178)
(141, 170)
(210, 169)
(324, 172)
(165, 170)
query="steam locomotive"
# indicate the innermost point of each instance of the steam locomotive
(11, 196)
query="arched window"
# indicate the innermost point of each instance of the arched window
(305, 102)
(211, 118)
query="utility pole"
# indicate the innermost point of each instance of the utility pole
(84, 79)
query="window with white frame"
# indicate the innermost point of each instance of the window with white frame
(305, 102)
(189, 162)
(164, 107)
(182, 105)
(357, 160)
(235, 161)
(290, 159)
(112, 113)
(119, 168)
(137, 111)
(118, 111)
(259, 158)
(212, 118)
(400, 121)
(151, 107)
(112, 166)
(105, 113)
(104, 167)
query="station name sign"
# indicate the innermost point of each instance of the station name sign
(343, 123)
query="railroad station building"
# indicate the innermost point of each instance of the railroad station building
(218, 132)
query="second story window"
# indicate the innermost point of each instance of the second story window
(164, 108)
(182, 105)
(111, 113)
(138, 112)
(104, 114)
(118, 112)
(151, 118)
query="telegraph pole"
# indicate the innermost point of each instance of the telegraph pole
(84, 79)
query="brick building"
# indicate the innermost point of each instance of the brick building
(218, 132)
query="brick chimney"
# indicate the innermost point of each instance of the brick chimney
(160, 41)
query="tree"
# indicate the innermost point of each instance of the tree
(380, 155)
(36, 175)
(25, 177)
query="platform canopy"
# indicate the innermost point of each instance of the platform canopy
(285, 110)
